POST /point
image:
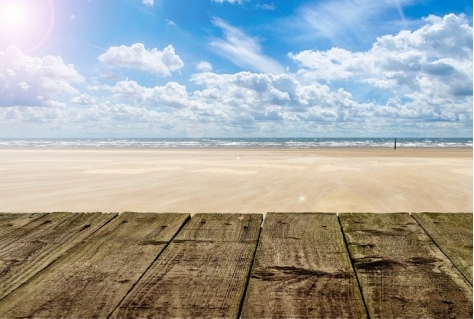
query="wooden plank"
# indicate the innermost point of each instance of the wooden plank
(453, 235)
(302, 270)
(11, 221)
(202, 273)
(402, 273)
(95, 276)
(32, 247)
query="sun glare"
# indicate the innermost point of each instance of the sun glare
(26, 24)
(13, 15)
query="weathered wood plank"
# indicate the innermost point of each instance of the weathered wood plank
(402, 273)
(11, 221)
(453, 235)
(302, 270)
(92, 278)
(32, 247)
(202, 273)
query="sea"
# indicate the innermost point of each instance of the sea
(223, 143)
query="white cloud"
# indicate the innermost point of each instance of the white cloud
(230, 1)
(424, 75)
(333, 64)
(148, 2)
(265, 97)
(72, 17)
(243, 50)
(204, 66)
(343, 21)
(24, 86)
(437, 58)
(23, 78)
(172, 95)
(420, 82)
(136, 56)
(292, 103)
(245, 104)
(107, 118)
(83, 99)
(266, 6)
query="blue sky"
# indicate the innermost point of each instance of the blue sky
(235, 68)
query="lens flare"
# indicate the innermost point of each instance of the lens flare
(48, 30)
(26, 24)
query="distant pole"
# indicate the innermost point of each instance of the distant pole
(395, 144)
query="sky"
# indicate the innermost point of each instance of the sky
(236, 68)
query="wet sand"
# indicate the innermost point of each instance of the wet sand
(236, 180)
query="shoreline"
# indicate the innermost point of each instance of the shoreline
(309, 149)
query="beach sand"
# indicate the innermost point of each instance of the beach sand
(236, 181)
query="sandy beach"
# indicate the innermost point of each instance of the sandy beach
(236, 180)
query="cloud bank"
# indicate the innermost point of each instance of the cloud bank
(420, 83)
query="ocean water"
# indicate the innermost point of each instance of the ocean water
(222, 143)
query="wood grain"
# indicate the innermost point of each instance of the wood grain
(302, 270)
(201, 274)
(95, 276)
(11, 221)
(402, 273)
(453, 235)
(29, 249)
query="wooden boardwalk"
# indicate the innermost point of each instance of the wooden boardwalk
(297, 265)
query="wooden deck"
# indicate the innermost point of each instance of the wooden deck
(297, 265)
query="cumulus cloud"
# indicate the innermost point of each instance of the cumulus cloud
(434, 61)
(24, 78)
(421, 77)
(243, 50)
(83, 99)
(264, 97)
(204, 66)
(172, 95)
(136, 56)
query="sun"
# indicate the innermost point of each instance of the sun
(26, 24)
(12, 16)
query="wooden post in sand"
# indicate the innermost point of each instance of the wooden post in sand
(395, 144)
